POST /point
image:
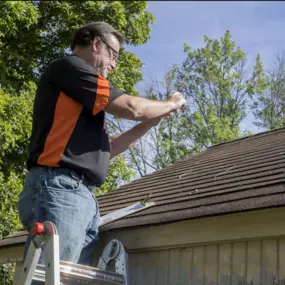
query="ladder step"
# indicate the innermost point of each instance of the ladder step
(71, 273)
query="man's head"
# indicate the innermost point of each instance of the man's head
(99, 44)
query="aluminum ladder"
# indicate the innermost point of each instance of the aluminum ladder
(56, 272)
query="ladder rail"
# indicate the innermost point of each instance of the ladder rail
(52, 275)
(42, 234)
(27, 270)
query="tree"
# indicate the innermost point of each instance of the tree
(15, 128)
(32, 34)
(218, 84)
(269, 106)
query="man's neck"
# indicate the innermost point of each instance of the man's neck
(87, 57)
(84, 56)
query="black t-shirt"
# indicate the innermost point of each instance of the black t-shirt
(69, 124)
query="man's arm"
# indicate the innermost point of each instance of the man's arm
(76, 79)
(121, 142)
(141, 109)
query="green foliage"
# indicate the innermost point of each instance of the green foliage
(118, 173)
(218, 85)
(6, 273)
(269, 106)
(15, 128)
(40, 31)
(124, 77)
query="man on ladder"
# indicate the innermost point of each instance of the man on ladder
(70, 148)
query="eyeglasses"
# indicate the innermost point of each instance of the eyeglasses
(114, 54)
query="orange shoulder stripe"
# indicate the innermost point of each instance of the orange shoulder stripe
(102, 95)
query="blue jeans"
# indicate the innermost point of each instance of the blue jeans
(59, 195)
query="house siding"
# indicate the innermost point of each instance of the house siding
(252, 262)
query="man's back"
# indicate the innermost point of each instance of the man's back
(69, 126)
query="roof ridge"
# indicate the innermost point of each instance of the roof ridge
(248, 137)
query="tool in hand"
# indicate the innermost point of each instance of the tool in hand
(177, 94)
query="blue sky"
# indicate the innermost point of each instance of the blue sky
(257, 27)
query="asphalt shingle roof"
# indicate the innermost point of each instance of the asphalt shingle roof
(241, 175)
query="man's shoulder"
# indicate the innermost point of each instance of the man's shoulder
(71, 62)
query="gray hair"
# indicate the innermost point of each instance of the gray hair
(90, 31)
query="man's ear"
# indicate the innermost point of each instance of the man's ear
(96, 44)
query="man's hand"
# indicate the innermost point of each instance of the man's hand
(177, 99)
(179, 102)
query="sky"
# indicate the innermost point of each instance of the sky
(257, 27)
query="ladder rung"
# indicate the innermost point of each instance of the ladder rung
(71, 273)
